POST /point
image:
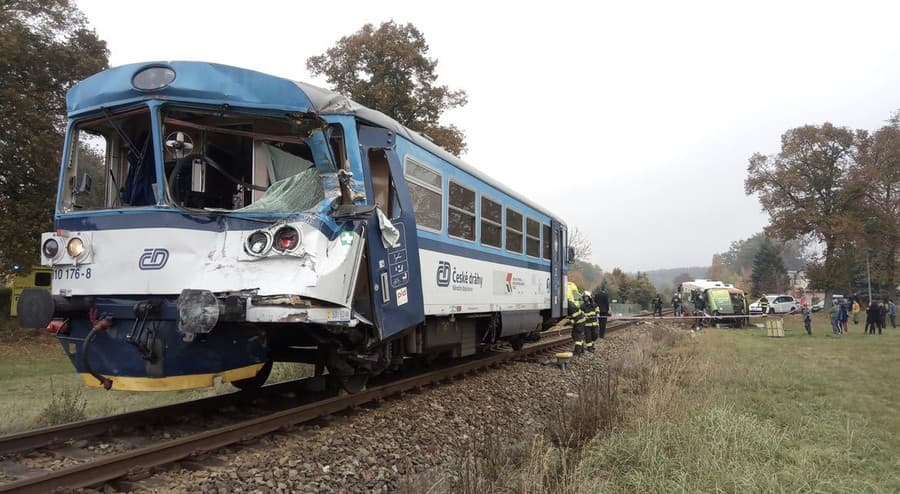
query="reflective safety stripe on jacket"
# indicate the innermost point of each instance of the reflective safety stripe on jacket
(592, 317)
(578, 317)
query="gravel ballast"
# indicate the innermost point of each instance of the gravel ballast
(418, 437)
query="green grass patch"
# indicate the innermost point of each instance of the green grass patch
(799, 413)
(39, 386)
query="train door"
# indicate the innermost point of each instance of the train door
(394, 278)
(557, 290)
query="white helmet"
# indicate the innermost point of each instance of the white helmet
(586, 294)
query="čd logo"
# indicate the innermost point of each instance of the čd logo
(153, 259)
(443, 273)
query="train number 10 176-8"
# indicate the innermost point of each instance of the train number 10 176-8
(75, 273)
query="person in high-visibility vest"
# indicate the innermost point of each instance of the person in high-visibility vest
(572, 293)
(591, 324)
(576, 315)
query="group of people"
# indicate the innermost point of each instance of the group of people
(588, 314)
(877, 314)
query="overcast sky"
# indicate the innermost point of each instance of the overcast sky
(631, 120)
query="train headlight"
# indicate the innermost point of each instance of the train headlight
(50, 248)
(153, 78)
(75, 247)
(258, 243)
(287, 238)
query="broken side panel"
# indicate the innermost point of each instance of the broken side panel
(392, 250)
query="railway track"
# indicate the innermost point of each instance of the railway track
(107, 467)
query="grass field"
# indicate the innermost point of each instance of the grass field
(39, 386)
(759, 414)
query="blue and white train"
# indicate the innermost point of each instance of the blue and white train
(212, 220)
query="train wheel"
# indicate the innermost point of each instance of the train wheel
(354, 384)
(256, 381)
(518, 342)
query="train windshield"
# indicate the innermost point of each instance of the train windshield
(110, 164)
(212, 161)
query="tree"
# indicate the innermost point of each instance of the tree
(878, 177)
(768, 270)
(581, 245)
(388, 69)
(806, 188)
(641, 290)
(47, 47)
(718, 270)
(681, 278)
(577, 278)
(737, 262)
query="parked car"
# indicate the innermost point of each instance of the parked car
(820, 305)
(778, 304)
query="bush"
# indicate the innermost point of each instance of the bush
(66, 405)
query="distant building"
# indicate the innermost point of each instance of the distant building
(797, 280)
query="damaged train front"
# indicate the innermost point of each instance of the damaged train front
(198, 244)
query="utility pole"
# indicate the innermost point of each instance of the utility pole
(869, 273)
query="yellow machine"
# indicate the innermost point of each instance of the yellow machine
(38, 277)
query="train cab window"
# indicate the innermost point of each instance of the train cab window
(491, 223)
(546, 241)
(513, 231)
(461, 212)
(110, 164)
(246, 162)
(532, 238)
(426, 194)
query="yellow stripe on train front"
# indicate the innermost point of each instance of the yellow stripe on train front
(174, 383)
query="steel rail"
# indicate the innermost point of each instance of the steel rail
(29, 440)
(115, 466)
(48, 436)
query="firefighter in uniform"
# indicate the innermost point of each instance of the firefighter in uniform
(764, 304)
(591, 324)
(576, 315)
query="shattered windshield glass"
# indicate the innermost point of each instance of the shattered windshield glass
(245, 163)
(211, 160)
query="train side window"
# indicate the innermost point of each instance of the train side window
(461, 212)
(546, 242)
(381, 183)
(426, 195)
(513, 231)
(491, 223)
(532, 237)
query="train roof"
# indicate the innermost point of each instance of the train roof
(707, 284)
(204, 82)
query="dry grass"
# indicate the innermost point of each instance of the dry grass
(66, 404)
(641, 385)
